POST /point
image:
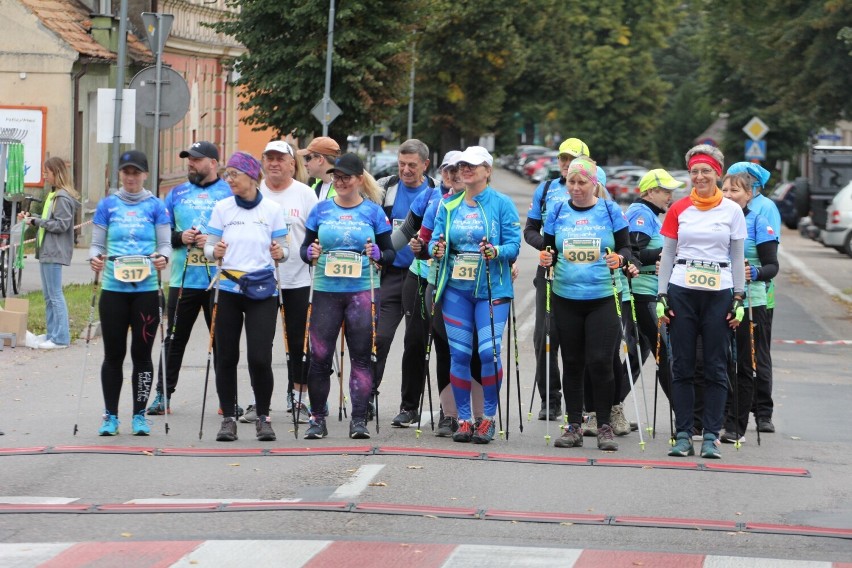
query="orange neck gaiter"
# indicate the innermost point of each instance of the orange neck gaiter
(706, 203)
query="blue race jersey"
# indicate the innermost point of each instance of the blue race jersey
(405, 198)
(345, 229)
(582, 238)
(759, 231)
(642, 219)
(189, 206)
(421, 205)
(131, 230)
(557, 192)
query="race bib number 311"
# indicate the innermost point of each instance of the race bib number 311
(343, 264)
(581, 251)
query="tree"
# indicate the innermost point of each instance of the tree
(283, 72)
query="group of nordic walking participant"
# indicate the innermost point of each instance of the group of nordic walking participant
(343, 263)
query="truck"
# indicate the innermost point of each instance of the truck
(829, 169)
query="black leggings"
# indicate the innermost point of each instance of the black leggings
(589, 332)
(260, 318)
(192, 301)
(295, 317)
(140, 312)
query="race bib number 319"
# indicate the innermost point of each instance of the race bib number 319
(465, 265)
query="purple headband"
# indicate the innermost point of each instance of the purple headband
(246, 163)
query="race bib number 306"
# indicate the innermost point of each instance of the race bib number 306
(465, 265)
(581, 251)
(343, 264)
(707, 277)
(131, 268)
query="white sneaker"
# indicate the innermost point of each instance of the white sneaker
(51, 345)
(39, 339)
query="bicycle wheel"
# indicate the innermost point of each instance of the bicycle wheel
(16, 279)
(3, 258)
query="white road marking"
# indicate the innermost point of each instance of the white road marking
(358, 482)
(36, 500)
(284, 553)
(803, 269)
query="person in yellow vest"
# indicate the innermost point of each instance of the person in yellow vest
(54, 245)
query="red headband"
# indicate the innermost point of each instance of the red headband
(705, 159)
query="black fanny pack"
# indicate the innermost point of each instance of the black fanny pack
(257, 285)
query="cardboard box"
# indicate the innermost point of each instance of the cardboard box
(13, 319)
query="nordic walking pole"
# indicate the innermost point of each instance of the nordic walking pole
(426, 377)
(88, 342)
(657, 375)
(624, 343)
(493, 337)
(672, 439)
(648, 426)
(548, 282)
(735, 387)
(341, 406)
(283, 313)
(751, 342)
(165, 383)
(517, 365)
(298, 409)
(215, 284)
(374, 358)
(161, 303)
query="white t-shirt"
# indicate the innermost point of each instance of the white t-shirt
(296, 201)
(703, 236)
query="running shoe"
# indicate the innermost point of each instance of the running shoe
(141, 425)
(304, 413)
(109, 427)
(710, 447)
(404, 419)
(290, 401)
(590, 427)
(264, 429)
(555, 408)
(464, 433)
(484, 432)
(358, 429)
(250, 415)
(619, 423)
(572, 437)
(158, 407)
(51, 345)
(765, 425)
(447, 426)
(228, 430)
(606, 439)
(730, 437)
(683, 446)
(317, 429)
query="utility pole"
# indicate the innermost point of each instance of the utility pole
(119, 90)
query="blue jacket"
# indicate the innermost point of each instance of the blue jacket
(501, 215)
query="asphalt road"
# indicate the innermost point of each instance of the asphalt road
(813, 393)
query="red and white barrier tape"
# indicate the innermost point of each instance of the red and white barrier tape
(812, 342)
(28, 241)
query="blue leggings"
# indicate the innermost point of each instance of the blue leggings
(461, 311)
(329, 311)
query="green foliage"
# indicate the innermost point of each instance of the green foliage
(283, 73)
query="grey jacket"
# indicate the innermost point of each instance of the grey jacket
(58, 243)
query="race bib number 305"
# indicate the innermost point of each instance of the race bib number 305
(465, 265)
(131, 268)
(707, 277)
(343, 264)
(581, 251)
(195, 257)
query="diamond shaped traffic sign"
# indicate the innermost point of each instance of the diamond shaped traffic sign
(319, 111)
(755, 128)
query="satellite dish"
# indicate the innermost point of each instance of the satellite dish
(174, 97)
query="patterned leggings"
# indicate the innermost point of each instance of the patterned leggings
(329, 311)
(462, 314)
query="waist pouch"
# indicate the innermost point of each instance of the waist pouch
(257, 285)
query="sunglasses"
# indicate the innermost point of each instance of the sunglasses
(309, 157)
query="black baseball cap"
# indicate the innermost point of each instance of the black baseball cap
(133, 158)
(349, 164)
(202, 149)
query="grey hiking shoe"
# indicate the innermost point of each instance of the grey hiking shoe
(250, 415)
(606, 439)
(590, 427)
(619, 423)
(228, 430)
(572, 437)
(447, 426)
(264, 429)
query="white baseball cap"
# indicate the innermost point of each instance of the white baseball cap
(278, 146)
(475, 155)
(451, 158)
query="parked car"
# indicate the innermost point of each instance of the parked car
(550, 171)
(533, 166)
(624, 186)
(383, 164)
(784, 196)
(838, 228)
(525, 153)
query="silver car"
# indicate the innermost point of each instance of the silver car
(838, 225)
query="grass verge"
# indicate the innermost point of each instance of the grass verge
(78, 297)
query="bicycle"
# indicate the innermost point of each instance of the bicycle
(12, 251)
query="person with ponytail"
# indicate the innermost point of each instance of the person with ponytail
(700, 294)
(54, 245)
